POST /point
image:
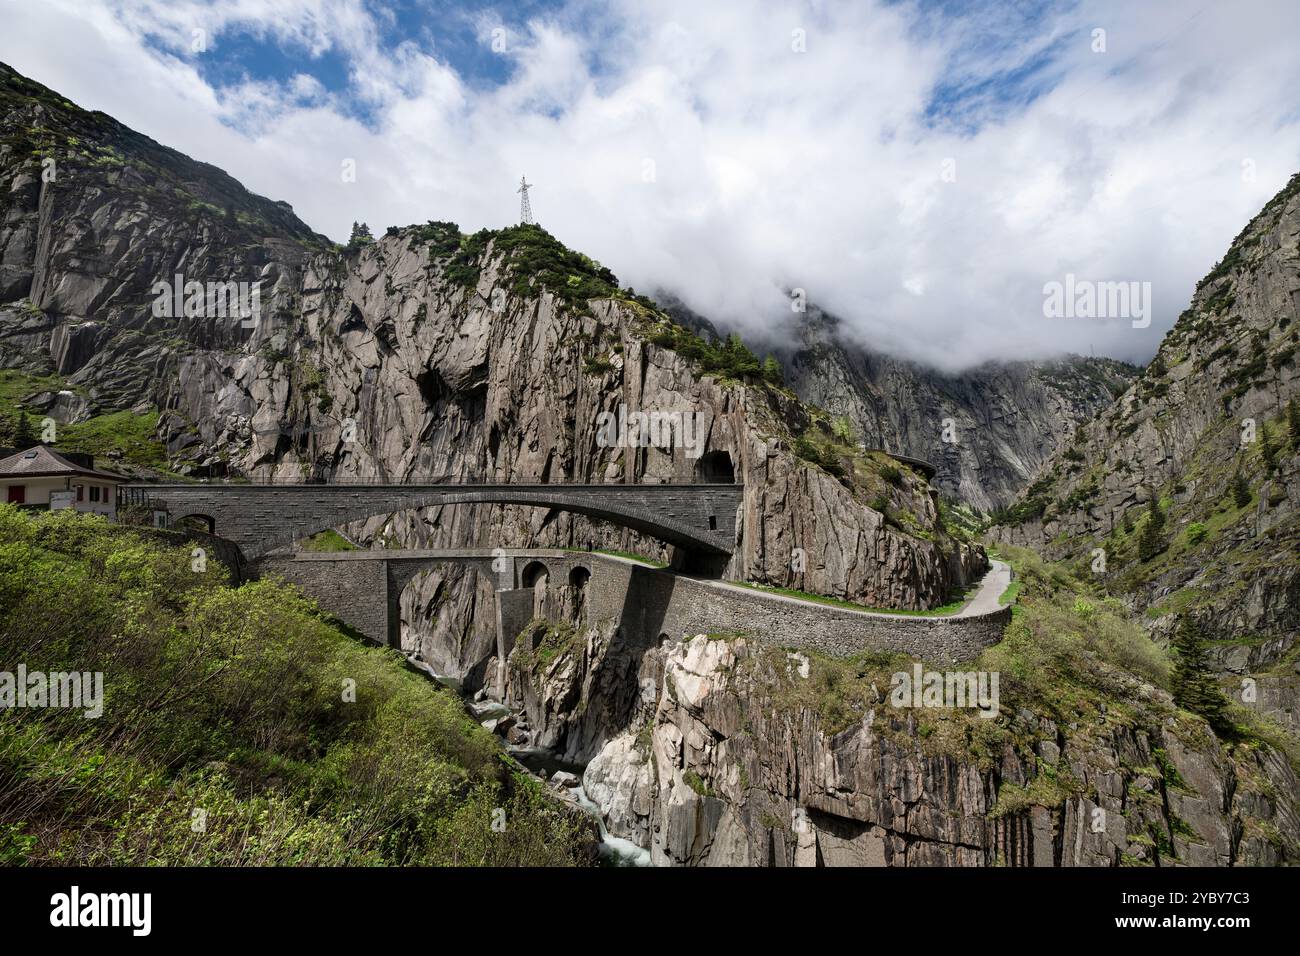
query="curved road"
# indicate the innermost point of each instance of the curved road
(991, 586)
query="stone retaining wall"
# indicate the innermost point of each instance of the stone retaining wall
(659, 603)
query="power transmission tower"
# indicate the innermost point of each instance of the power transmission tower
(525, 208)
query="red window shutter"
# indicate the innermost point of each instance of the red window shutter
(17, 494)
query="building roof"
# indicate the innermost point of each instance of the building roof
(43, 462)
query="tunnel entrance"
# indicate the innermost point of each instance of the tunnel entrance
(715, 468)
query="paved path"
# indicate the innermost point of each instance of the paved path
(994, 582)
(991, 586)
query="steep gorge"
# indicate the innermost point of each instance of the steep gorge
(426, 352)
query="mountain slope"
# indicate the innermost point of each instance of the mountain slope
(424, 352)
(988, 430)
(1190, 485)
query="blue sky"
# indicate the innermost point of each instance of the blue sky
(449, 32)
(922, 168)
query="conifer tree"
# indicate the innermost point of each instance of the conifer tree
(1266, 447)
(1240, 489)
(1194, 686)
(24, 437)
(1152, 541)
(360, 235)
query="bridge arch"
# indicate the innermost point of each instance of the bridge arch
(200, 522)
(533, 574)
(699, 518)
(579, 576)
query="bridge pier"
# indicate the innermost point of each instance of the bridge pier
(514, 611)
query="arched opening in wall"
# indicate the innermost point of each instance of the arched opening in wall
(534, 574)
(204, 523)
(715, 468)
(579, 577)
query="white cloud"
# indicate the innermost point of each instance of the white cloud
(688, 146)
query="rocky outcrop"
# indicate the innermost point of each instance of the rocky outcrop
(720, 764)
(988, 430)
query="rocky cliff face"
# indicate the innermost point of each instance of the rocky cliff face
(424, 353)
(715, 752)
(989, 430)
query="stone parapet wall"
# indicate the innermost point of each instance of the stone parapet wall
(659, 603)
(362, 589)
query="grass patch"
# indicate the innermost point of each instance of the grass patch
(125, 432)
(1008, 596)
(297, 745)
(328, 540)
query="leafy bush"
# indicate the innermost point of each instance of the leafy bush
(822, 457)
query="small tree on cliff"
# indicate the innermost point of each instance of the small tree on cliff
(1193, 682)
(1152, 540)
(843, 429)
(1240, 489)
(360, 236)
(1266, 447)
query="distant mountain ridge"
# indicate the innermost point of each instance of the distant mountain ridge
(988, 430)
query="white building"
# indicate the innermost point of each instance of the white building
(43, 478)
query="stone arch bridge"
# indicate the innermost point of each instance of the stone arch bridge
(700, 519)
(364, 588)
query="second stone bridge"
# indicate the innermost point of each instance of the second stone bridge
(650, 604)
